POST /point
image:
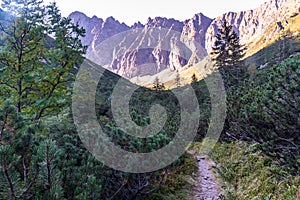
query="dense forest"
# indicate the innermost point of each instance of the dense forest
(43, 157)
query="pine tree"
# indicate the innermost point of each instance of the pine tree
(227, 54)
(36, 72)
(34, 84)
(157, 85)
(194, 78)
(177, 79)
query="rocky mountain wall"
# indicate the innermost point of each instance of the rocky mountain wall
(161, 43)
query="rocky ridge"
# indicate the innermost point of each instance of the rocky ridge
(253, 23)
(144, 49)
(131, 56)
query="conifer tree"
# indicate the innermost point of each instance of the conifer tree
(227, 54)
(40, 51)
(194, 78)
(177, 79)
(157, 85)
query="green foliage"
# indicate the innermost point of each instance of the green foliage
(267, 111)
(41, 155)
(140, 104)
(48, 183)
(157, 85)
(34, 84)
(34, 74)
(284, 46)
(176, 183)
(227, 54)
(248, 174)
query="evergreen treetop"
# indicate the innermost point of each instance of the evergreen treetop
(227, 54)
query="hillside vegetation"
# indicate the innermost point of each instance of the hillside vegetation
(42, 156)
(258, 155)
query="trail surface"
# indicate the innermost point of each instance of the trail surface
(207, 188)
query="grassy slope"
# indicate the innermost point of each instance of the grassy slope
(178, 183)
(265, 40)
(248, 174)
(285, 43)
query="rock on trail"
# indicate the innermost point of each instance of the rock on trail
(207, 188)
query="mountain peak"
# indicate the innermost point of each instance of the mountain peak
(198, 33)
(110, 19)
(163, 22)
(200, 15)
(77, 14)
(137, 25)
(252, 23)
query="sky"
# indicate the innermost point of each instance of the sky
(131, 11)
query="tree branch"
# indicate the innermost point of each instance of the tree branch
(7, 176)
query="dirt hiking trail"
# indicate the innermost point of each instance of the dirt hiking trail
(206, 188)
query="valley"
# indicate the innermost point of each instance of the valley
(200, 109)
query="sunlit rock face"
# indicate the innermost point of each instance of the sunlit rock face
(253, 23)
(131, 57)
(162, 43)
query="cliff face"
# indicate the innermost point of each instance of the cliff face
(91, 25)
(144, 49)
(253, 23)
(131, 57)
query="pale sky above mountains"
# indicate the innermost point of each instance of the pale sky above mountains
(130, 11)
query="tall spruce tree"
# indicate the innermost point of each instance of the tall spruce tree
(227, 54)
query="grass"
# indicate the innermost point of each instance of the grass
(242, 170)
(271, 34)
(282, 44)
(247, 174)
(179, 181)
